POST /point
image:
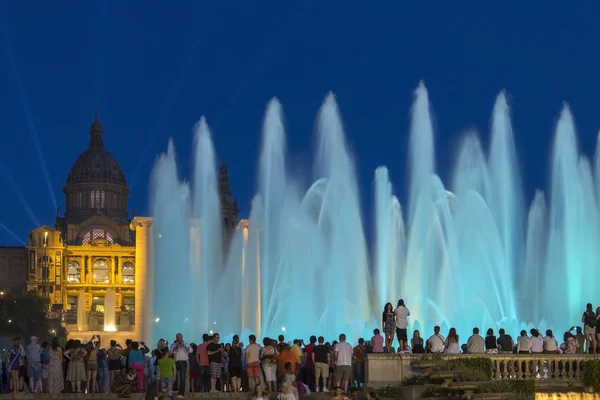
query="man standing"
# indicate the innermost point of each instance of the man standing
(181, 353)
(252, 362)
(402, 314)
(310, 365)
(359, 362)
(213, 350)
(342, 353)
(204, 362)
(34, 365)
(321, 358)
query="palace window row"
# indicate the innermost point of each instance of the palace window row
(100, 272)
(96, 198)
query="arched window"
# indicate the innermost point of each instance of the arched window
(97, 198)
(73, 272)
(100, 272)
(97, 233)
(128, 273)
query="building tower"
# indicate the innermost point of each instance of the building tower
(229, 206)
(95, 185)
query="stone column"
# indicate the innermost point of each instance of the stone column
(84, 271)
(116, 271)
(144, 278)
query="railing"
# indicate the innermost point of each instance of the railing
(388, 368)
(538, 366)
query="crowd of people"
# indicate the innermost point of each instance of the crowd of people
(576, 340)
(293, 369)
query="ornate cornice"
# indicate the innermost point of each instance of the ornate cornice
(140, 222)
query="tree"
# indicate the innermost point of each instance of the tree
(27, 316)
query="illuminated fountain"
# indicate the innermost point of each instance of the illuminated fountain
(463, 255)
(110, 324)
(82, 320)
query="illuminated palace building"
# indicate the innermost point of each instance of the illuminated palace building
(87, 266)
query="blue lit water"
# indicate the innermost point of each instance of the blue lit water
(465, 253)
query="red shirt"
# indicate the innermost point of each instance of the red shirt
(309, 351)
(202, 354)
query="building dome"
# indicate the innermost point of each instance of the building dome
(96, 183)
(96, 164)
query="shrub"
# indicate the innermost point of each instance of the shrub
(440, 391)
(390, 392)
(471, 375)
(519, 389)
(415, 380)
(483, 365)
(591, 374)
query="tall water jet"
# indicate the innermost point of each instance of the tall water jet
(82, 319)
(506, 201)
(535, 259)
(389, 240)
(173, 278)
(422, 228)
(564, 257)
(207, 209)
(273, 191)
(110, 324)
(340, 224)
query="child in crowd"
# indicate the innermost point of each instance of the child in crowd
(168, 371)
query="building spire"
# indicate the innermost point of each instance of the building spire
(96, 132)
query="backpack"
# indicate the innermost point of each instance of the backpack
(44, 357)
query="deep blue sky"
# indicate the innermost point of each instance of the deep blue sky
(152, 70)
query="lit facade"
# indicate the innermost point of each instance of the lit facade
(88, 265)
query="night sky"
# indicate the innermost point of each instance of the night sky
(153, 70)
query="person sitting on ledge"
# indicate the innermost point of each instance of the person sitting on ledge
(506, 344)
(475, 343)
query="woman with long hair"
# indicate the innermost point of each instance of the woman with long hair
(235, 365)
(114, 360)
(523, 343)
(416, 343)
(389, 325)
(56, 379)
(451, 343)
(76, 371)
(268, 357)
(537, 341)
(136, 362)
(550, 343)
(91, 364)
(491, 345)
(15, 358)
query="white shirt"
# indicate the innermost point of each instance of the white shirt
(401, 317)
(344, 353)
(537, 344)
(181, 352)
(436, 343)
(550, 343)
(523, 344)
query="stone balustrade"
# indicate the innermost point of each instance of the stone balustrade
(390, 369)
